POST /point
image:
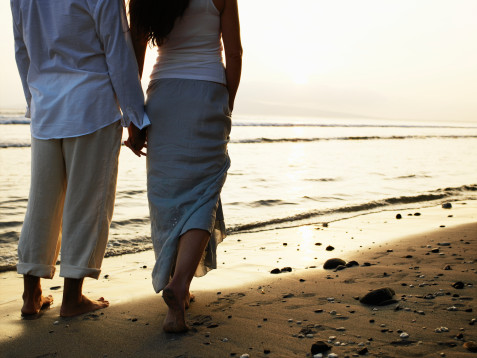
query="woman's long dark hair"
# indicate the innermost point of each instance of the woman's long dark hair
(155, 19)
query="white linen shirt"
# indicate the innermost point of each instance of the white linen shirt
(77, 66)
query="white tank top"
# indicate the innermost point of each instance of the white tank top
(193, 49)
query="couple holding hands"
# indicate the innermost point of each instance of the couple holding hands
(79, 62)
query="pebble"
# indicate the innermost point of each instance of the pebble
(471, 346)
(333, 263)
(447, 206)
(332, 355)
(378, 296)
(404, 335)
(56, 323)
(318, 355)
(459, 285)
(341, 329)
(398, 216)
(319, 347)
(245, 356)
(329, 248)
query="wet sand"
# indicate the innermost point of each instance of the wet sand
(242, 308)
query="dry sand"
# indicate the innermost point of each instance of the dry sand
(243, 309)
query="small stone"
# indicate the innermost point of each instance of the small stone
(56, 323)
(459, 285)
(329, 248)
(275, 271)
(332, 355)
(352, 263)
(245, 356)
(54, 288)
(471, 346)
(447, 206)
(398, 216)
(333, 263)
(378, 296)
(266, 351)
(363, 351)
(341, 329)
(417, 214)
(286, 269)
(404, 335)
(319, 347)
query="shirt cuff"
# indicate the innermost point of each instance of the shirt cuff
(130, 115)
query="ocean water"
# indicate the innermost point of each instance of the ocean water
(285, 172)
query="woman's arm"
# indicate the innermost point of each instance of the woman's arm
(139, 43)
(230, 26)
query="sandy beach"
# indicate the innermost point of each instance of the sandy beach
(427, 257)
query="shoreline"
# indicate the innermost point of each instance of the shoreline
(242, 308)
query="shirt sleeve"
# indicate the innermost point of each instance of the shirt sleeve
(21, 54)
(113, 31)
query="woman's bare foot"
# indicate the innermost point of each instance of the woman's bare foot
(84, 305)
(33, 300)
(175, 318)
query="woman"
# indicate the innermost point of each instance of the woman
(190, 100)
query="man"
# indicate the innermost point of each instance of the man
(77, 67)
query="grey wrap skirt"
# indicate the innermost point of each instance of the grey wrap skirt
(187, 164)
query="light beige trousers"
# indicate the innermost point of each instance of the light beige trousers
(70, 206)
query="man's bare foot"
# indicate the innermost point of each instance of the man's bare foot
(85, 305)
(190, 299)
(175, 318)
(33, 305)
(33, 300)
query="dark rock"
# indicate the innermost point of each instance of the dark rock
(352, 263)
(367, 264)
(288, 295)
(318, 310)
(325, 224)
(389, 250)
(329, 248)
(333, 263)
(402, 343)
(213, 325)
(408, 257)
(435, 250)
(417, 214)
(398, 216)
(285, 244)
(54, 288)
(318, 244)
(459, 285)
(266, 351)
(302, 280)
(340, 267)
(319, 347)
(447, 206)
(286, 269)
(378, 296)
(275, 271)
(363, 351)
(459, 336)
(471, 346)
(447, 267)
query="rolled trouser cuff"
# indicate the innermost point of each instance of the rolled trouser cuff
(79, 272)
(38, 270)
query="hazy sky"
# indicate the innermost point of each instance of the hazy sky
(399, 59)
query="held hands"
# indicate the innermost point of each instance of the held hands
(137, 140)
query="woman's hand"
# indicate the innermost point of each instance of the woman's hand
(137, 140)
